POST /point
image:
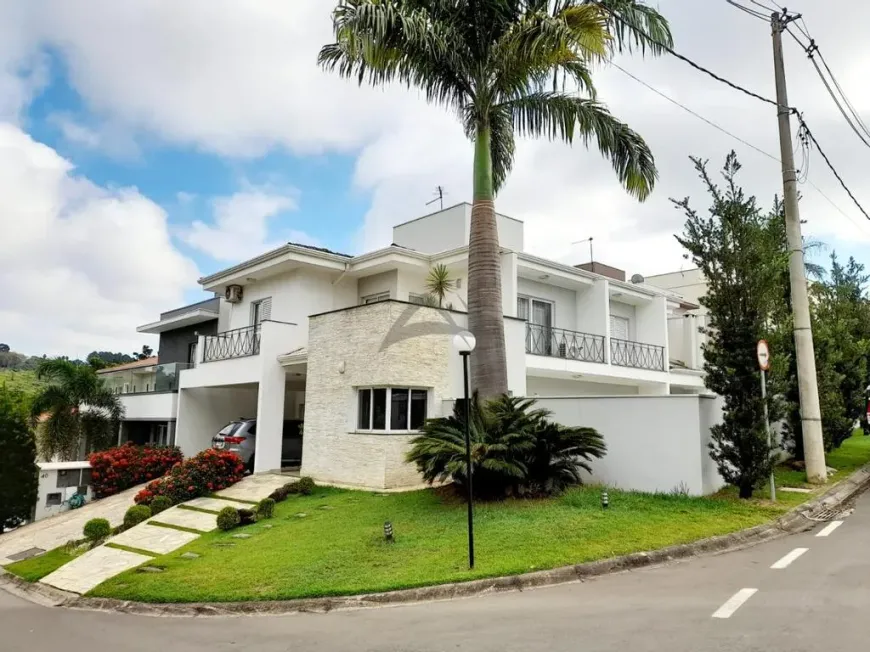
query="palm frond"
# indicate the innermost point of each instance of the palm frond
(635, 25)
(557, 115)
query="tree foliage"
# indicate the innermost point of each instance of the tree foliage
(74, 409)
(732, 248)
(506, 68)
(18, 471)
(515, 449)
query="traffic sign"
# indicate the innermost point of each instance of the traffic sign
(762, 352)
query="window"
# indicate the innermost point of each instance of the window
(391, 409)
(619, 327)
(52, 500)
(191, 353)
(539, 315)
(375, 298)
(419, 299)
(261, 311)
(69, 478)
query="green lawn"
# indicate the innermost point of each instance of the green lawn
(35, 568)
(337, 547)
(23, 380)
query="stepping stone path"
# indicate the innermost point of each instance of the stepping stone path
(96, 566)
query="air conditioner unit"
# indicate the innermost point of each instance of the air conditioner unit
(233, 293)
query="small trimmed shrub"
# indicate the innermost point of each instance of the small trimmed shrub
(280, 494)
(160, 504)
(304, 486)
(135, 515)
(266, 508)
(228, 518)
(97, 529)
(247, 516)
(125, 466)
(209, 471)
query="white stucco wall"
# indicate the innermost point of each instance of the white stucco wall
(152, 407)
(540, 386)
(48, 478)
(655, 443)
(449, 229)
(564, 301)
(619, 309)
(378, 283)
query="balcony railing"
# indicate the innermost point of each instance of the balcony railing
(238, 343)
(624, 353)
(558, 343)
(159, 378)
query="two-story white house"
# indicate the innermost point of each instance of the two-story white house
(344, 343)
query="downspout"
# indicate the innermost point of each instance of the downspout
(342, 275)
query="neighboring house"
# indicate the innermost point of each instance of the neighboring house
(149, 387)
(342, 342)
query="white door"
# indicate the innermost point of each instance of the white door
(619, 327)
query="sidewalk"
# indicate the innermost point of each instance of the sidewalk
(53, 532)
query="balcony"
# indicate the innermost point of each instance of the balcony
(559, 343)
(624, 353)
(237, 343)
(157, 379)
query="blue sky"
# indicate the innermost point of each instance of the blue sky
(145, 143)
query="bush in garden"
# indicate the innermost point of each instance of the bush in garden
(516, 450)
(304, 486)
(209, 471)
(126, 466)
(18, 470)
(160, 504)
(266, 508)
(246, 516)
(135, 515)
(97, 529)
(280, 494)
(228, 518)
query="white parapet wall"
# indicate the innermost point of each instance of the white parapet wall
(654, 443)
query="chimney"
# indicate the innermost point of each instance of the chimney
(603, 270)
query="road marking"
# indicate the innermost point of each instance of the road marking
(789, 558)
(833, 525)
(734, 603)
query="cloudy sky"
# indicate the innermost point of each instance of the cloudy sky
(146, 143)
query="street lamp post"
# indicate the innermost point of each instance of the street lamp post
(464, 343)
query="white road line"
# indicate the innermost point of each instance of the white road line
(734, 603)
(829, 528)
(789, 558)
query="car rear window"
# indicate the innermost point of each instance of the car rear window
(231, 428)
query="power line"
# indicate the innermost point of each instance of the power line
(748, 10)
(804, 143)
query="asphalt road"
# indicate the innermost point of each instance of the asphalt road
(818, 599)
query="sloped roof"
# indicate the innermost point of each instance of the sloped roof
(147, 362)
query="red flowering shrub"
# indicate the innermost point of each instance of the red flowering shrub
(123, 467)
(210, 470)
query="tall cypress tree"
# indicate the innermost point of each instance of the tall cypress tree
(734, 251)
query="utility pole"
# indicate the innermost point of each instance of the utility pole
(811, 415)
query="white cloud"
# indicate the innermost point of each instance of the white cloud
(241, 224)
(82, 266)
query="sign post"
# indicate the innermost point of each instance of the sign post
(762, 352)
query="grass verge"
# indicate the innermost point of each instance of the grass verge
(35, 568)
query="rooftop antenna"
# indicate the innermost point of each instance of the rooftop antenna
(589, 240)
(439, 196)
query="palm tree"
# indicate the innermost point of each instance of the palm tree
(73, 407)
(506, 67)
(439, 284)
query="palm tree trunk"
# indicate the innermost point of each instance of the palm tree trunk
(485, 314)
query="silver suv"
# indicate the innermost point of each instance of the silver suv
(240, 437)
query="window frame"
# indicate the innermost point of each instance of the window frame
(531, 299)
(376, 297)
(417, 299)
(389, 409)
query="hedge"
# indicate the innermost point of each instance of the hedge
(211, 470)
(126, 466)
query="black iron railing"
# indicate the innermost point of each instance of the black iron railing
(559, 343)
(237, 343)
(636, 354)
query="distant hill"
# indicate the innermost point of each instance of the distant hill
(24, 380)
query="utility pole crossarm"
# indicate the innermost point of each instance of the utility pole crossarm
(811, 420)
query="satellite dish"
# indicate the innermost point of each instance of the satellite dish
(637, 279)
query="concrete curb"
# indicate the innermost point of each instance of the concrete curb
(797, 520)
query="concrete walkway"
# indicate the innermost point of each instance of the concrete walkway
(55, 531)
(96, 566)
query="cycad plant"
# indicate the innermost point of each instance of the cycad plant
(75, 408)
(515, 449)
(439, 284)
(506, 68)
